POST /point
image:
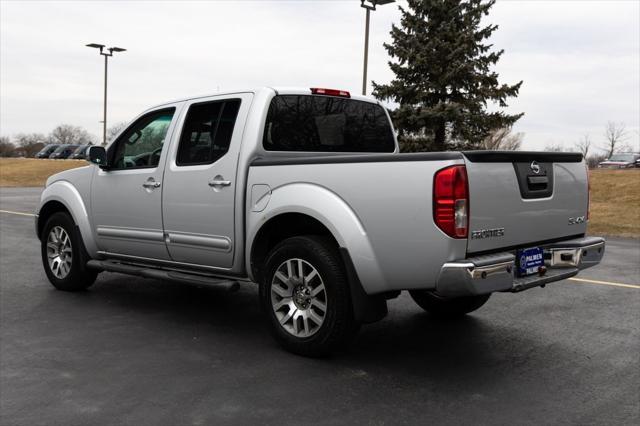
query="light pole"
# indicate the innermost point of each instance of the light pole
(103, 52)
(369, 5)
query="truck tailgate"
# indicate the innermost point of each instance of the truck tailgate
(518, 199)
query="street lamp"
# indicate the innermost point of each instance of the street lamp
(369, 5)
(106, 52)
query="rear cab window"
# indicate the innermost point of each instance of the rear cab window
(314, 123)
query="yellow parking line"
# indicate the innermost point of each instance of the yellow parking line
(18, 213)
(583, 280)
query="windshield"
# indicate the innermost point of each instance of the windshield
(60, 149)
(326, 124)
(628, 158)
(81, 149)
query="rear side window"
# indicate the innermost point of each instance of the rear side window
(326, 124)
(207, 132)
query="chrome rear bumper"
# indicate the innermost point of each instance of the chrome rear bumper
(496, 272)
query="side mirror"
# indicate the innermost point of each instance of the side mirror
(98, 156)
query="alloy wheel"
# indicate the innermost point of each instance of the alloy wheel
(59, 252)
(298, 297)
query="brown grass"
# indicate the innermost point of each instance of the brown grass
(615, 194)
(32, 171)
(615, 203)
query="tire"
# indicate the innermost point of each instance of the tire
(61, 242)
(312, 318)
(447, 307)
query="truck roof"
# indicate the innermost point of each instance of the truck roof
(279, 90)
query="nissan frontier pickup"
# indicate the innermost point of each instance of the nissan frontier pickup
(304, 192)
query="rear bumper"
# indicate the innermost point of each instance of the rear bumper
(496, 272)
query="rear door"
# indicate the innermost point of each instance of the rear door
(200, 181)
(523, 198)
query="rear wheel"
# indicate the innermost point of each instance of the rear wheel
(305, 295)
(63, 254)
(447, 307)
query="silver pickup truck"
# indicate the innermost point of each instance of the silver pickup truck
(303, 191)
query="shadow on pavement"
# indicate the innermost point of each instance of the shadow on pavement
(408, 340)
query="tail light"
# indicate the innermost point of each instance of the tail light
(330, 92)
(451, 201)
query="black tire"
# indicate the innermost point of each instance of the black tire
(78, 277)
(447, 307)
(339, 326)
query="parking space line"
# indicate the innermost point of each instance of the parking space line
(18, 213)
(583, 280)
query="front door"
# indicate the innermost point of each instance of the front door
(200, 182)
(126, 199)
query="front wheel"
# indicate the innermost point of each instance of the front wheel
(305, 295)
(447, 307)
(63, 255)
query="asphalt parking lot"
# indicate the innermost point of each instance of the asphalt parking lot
(142, 352)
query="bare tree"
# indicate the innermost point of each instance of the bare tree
(583, 145)
(7, 149)
(30, 143)
(502, 139)
(114, 130)
(615, 133)
(69, 134)
(594, 159)
(552, 147)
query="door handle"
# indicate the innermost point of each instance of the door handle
(151, 184)
(219, 181)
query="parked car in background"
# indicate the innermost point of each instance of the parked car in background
(80, 153)
(63, 151)
(47, 151)
(622, 160)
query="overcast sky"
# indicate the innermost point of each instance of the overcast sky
(579, 60)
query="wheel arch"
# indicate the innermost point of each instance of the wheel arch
(46, 211)
(278, 229)
(63, 196)
(325, 213)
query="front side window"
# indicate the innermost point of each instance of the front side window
(326, 124)
(207, 132)
(141, 144)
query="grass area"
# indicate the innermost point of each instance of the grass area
(615, 194)
(615, 203)
(32, 171)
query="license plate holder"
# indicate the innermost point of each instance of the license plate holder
(529, 260)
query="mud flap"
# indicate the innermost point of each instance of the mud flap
(366, 309)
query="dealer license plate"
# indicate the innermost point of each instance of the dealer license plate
(529, 260)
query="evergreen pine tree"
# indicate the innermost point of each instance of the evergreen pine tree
(443, 77)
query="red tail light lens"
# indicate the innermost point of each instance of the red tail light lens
(451, 201)
(330, 92)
